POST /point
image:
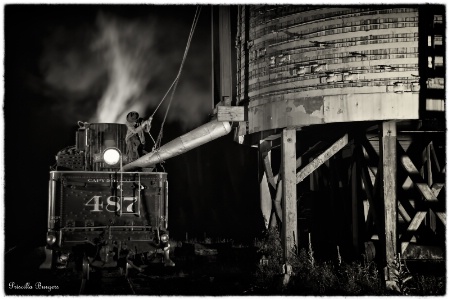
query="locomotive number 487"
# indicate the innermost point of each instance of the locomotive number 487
(113, 204)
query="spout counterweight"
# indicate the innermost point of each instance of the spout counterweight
(193, 139)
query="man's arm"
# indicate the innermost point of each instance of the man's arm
(132, 131)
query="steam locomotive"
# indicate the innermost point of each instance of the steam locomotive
(106, 210)
(99, 216)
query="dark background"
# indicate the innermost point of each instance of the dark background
(57, 72)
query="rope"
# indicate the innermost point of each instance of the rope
(174, 84)
(197, 15)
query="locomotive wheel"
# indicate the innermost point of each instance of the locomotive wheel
(84, 275)
(85, 269)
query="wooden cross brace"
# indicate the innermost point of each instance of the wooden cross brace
(429, 193)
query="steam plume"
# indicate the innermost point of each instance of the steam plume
(128, 57)
(101, 71)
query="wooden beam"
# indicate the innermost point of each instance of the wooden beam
(268, 169)
(415, 176)
(433, 152)
(368, 188)
(322, 158)
(305, 156)
(335, 197)
(409, 209)
(231, 113)
(403, 213)
(265, 200)
(225, 51)
(264, 191)
(277, 201)
(436, 188)
(416, 221)
(429, 170)
(273, 137)
(288, 158)
(357, 210)
(388, 153)
(442, 216)
(373, 156)
(413, 226)
(405, 207)
(376, 206)
(265, 152)
(431, 217)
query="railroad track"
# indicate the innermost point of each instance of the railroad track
(201, 273)
(107, 282)
(113, 281)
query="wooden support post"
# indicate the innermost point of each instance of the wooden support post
(226, 74)
(388, 153)
(221, 55)
(288, 173)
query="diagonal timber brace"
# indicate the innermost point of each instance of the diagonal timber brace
(429, 193)
(322, 158)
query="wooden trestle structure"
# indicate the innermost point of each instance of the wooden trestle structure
(346, 107)
(377, 190)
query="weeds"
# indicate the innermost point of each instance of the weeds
(314, 277)
(360, 279)
(401, 275)
(270, 248)
(429, 285)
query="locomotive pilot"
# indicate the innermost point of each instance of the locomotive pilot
(135, 138)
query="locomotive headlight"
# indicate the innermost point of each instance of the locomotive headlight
(164, 238)
(111, 156)
(51, 239)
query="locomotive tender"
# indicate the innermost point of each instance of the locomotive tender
(105, 210)
(100, 216)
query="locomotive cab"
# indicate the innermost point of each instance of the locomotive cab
(99, 216)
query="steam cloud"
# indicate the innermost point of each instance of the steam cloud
(123, 65)
(128, 53)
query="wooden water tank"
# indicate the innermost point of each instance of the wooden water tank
(303, 65)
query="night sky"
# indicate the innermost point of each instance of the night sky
(69, 63)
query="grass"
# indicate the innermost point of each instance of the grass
(312, 277)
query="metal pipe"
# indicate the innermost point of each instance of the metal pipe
(166, 200)
(195, 138)
(51, 202)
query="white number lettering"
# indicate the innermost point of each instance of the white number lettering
(113, 201)
(130, 207)
(97, 204)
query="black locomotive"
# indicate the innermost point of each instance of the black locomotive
(99, 216)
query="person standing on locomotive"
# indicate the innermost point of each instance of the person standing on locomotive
(135, 138)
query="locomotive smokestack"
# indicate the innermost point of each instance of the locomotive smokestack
(195, 138)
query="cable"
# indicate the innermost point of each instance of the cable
(196, 16)
(175, 82)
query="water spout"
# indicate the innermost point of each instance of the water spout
(193, 139)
